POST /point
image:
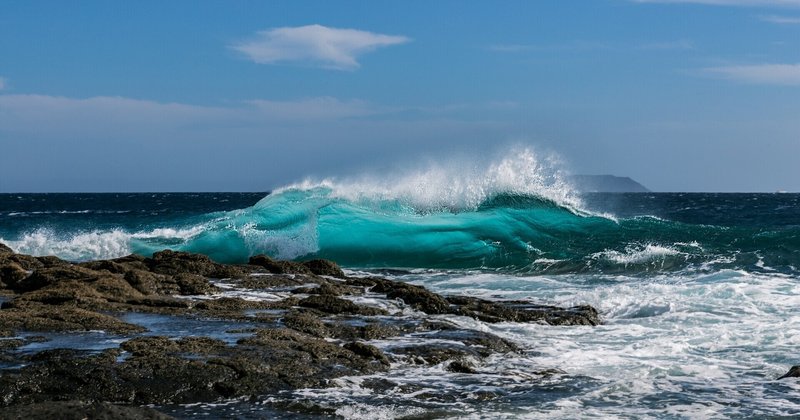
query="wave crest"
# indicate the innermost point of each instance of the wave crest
(455, 186)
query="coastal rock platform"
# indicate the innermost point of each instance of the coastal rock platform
(104, 339)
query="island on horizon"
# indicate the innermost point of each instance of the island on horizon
(606, 184)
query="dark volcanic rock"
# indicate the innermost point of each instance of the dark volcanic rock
(33, 316)
(431, 303)
(461, 366)
(279, 267)
(4, 249)
(324, 268)
(120, 265)
(80, 410)
(488, 311)
(368, 351)
(306, 323)
(27, 262)
(53, 275)
(335, 305)
(794, 372)
(416, 296)
(11, 273)
(175, 262)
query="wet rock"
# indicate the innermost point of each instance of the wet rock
(415, 296)
(306, 323)
(81, 410)
(461, 366)
(10, 344)
(176, 262)
(70, 291)
(488, 311)
(34, 316)
(120, 265)
(27, 262)
(374, 331)
(271, 281)
(11, 273)
(451, 343)
(279, 267)
(299, 360)
(151, 283)
(4, 249)
(63, 375)
(193, 284)
(333, 305)
(144, 346)
(53, 275)
(433, 354)
(158, 304)
(794, 372)
(52, 261)
(232, 304)
(379, 385)
(324, 268)
(327, 288)
(368, 351)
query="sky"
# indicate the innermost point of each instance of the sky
(681, 95)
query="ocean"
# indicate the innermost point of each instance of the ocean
(698, 292)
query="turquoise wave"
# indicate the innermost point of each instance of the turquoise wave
(510, 232)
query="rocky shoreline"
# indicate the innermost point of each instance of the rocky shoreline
(314, 325)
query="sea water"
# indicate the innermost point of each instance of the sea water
(698, 292)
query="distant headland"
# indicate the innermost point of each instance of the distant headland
(606, 183)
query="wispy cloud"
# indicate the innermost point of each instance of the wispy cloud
(781, 20)
(766, 74)
(780, 3)
(317, 45)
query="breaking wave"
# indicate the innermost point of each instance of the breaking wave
(517, 214)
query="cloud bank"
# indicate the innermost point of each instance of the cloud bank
(765, 74)
(316, 45)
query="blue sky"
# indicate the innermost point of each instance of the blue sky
(682, 95)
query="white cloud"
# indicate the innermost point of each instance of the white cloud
(767, 74)
(781, 20)
(314, 44)
(780, 3)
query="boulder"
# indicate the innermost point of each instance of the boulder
(334, 305)
(175, 262)
(278, 267)
(794, 372)
(324, 268)
(5, 249)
